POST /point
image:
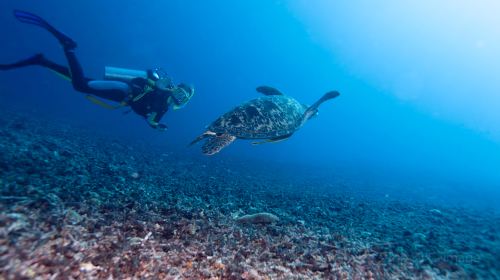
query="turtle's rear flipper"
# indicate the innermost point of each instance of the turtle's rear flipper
(313, 109)
(268, 90)
(215, 143)
(274, 140)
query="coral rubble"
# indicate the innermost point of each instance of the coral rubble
(73, 205)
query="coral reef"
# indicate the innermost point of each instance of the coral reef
(74, 205)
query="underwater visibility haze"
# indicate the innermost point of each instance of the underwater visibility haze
(397, 176)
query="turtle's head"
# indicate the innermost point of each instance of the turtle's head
(216, 142)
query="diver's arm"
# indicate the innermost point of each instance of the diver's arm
(160, 108)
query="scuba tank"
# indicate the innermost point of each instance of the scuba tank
(126, 76)
(123, 74)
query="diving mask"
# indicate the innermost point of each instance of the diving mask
(181, 95)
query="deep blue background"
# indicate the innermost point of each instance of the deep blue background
(226, 49)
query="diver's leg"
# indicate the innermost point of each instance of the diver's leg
(113, 91)
(76, 71)
(58, 68)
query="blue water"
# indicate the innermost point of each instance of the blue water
(418, 81)
(401, 172)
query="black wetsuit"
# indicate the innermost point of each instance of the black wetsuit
(157, 101)
(154, 102)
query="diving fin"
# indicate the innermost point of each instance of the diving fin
(274, 140)
(39, 59)
(30, 18)
(32, 60)
(268, 90)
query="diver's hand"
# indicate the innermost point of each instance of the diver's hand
(154, 124)
(161, 127)
(158, 126)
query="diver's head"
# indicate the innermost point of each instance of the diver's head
(160, 79)
(181, 95)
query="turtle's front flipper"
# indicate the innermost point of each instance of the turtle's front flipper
(273, 140)
(201, 137)
(215, 143)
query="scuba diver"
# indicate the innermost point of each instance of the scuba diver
(149, 93)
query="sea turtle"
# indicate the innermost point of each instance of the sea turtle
(274, 117)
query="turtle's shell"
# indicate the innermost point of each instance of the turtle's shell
(262, 118)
